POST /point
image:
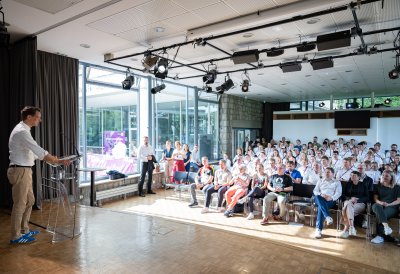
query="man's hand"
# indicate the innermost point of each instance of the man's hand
(198, 186)
(216, 187)
(149, 157)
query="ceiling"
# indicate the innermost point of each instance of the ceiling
(89, 29)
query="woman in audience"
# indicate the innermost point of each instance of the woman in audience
(258, 189)
(239, 153)
(228, 161)
(327, 192)
(239, 184)
(387, 200)
(167, 159)
(178, 155)
(356, 194)
(187, 158)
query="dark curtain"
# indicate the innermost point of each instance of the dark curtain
(268, 121)
(57, 95)
(18, 88)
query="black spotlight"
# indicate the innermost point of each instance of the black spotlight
(208, 89)
(225, 86)
(161, 69)
(157, 89)
(387, 101)
(394, 73)
(210, 77)
(245, 85)
(4, 34)
(149, 61)
(129, 81)
(321, 105)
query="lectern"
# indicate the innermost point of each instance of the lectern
(60, 199)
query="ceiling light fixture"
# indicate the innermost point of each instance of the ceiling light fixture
(321, 105)
(306, 47)
(157, 89)
(246, 82)
(313, 21)
(394, 73)
(4, 34)
(149, 61)
(159, 29)
(227, 85)
(211, 75)
(129, 80)
(161, 69)
(387, 101)
(247, 35)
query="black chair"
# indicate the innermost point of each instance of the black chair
(302, 196)
(192, 177)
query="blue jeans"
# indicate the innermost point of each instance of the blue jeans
(323, 210)
(193, 191)
(255, 193)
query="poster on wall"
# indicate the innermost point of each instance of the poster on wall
(114, 143)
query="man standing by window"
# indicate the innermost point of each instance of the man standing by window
(23, 152)
(146, 156)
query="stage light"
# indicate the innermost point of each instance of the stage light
(210, 77)
(387, 101)
(149, 61)
(394, 73)
(334, 40)
(157, 89)
(246, 82)
(129, 81)
(321, 105)
(161, 69)
(245, 85)
(4, 34)
(208, 89)
(225, 86)
(244, 57)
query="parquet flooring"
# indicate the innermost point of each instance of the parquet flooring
(136, 242)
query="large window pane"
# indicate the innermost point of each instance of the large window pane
(111, 126)
(208, 129)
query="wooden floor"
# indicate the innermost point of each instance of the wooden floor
(131, 237)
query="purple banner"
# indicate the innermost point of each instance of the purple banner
(114, 142)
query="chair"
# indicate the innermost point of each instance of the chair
(180, 181)
(302, 196)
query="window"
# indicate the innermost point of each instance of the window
(108, 135)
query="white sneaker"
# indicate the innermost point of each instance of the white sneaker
(377, 240)
(352, 231)
(317, 234)
(328, 220)
(242, 200)
(344, 234)
(205, 210)
(221, 209)
(300, 216)
(250, 216)
(364, 224)
(387, 230)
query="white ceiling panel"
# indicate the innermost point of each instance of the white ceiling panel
(129, 26)
(50, 6)
(250, 6)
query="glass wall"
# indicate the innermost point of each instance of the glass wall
(108, 121)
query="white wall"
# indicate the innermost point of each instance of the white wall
(384, 130)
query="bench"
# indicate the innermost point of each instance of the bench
(112, 192)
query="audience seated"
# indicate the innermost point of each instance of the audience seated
(327, 192)
(222, 178)
(279, 185)
(386, 206)
(356, 195)
(239, 184)
(204, 180)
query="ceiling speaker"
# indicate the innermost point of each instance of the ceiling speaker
(334, 40)
(243, 57)
(290, 67)
(305, 47)
(322, 63)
